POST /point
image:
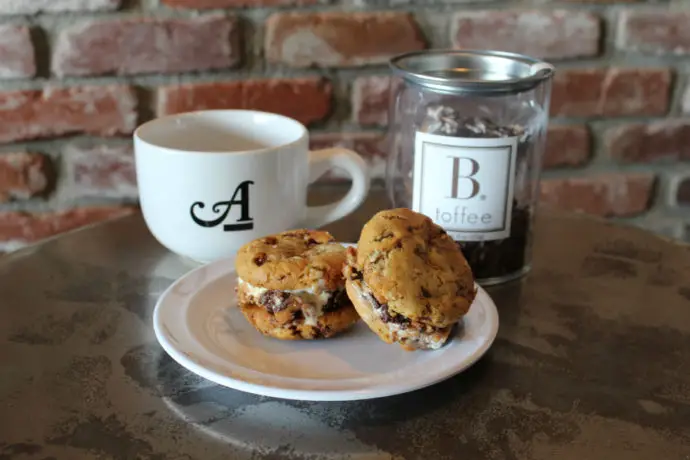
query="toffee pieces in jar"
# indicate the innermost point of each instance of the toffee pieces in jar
(492, 258)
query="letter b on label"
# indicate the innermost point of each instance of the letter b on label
(469, 168)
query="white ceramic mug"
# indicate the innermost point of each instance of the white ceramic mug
(211, 181)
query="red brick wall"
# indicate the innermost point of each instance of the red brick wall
(77, 76)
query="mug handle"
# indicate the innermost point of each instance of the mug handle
(321, 161)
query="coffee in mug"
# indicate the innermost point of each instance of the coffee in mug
(211, 181)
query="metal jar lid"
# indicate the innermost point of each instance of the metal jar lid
(471, 71)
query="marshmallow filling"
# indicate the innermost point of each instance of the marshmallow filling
(314, 302)
(402, 329)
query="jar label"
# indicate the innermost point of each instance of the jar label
(465, 185)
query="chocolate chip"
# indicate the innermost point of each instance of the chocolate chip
(390, 317)
(260, 259)
(274, 300)
(426, 294)
(271, 240)
(336, 301)
(398, 244)
(312, 242)
(297, 315)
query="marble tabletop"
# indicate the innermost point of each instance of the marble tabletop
(592, 361)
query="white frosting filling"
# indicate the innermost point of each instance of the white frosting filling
(410, 335)
(313, 300)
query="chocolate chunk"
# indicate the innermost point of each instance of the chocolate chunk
(335, 301)
(274, 300)
(312, 242)
(426, 294)
(260, 259)
(386, 315)
(297, 315)
(271, 240)
(390, 317)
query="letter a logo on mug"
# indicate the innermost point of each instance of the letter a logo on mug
(211, 181)
(244, 223)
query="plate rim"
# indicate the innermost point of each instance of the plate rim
(227, 381)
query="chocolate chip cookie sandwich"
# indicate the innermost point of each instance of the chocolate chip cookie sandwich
(291, 285)
(408, 280)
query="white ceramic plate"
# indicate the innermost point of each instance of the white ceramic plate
(197, 323)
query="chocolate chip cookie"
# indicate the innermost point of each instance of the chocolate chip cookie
(291, 285)
(408, 279)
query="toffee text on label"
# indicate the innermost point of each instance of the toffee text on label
(462, 215)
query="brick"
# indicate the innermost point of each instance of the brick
(552, 34)
(646, 143)
(55, 6)
(137, 46)
(340, 39)
(51, 112)
(370, 100)
(207, 4)
(608, 195)
(305, 99)
(611, 92)
(370, 146)
(23, 175)
(654, 32)
(20, 228)
(101, 171)
(567, 146)
(17, 56)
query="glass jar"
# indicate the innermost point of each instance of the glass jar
(466, 135)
